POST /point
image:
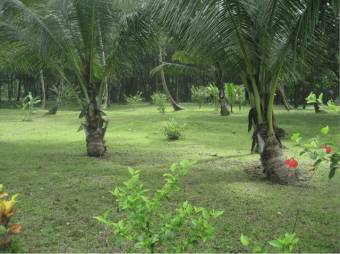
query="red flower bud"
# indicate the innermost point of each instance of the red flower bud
(328, 149)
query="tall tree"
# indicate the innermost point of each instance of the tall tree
(264, 39)
(66, 33)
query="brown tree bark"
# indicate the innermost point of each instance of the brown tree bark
(273, 162)
(221, 93)
(95, 129)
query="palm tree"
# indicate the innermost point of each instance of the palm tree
(84, 41)
(265, 39)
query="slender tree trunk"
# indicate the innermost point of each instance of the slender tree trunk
(174, 104)
(223, 101)
(316, 107)
(19, 90)
(221, 93)
(106, 86)
(284, 98)
(9, 88)
(43, 91)
(95, 129)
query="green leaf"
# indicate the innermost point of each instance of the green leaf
(311, 98)
(296, 137)
(320, 99)
(131, 171)
(275, 243)
(257, 249)
(244, 240)
(325, 130)
(332, 106)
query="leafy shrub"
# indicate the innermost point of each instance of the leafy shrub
(313, 99)
(28, 106)
(230, 91)
(213, 90)
(173, 130)
(240, 95)
(151, 228)
(284, 244)
(134, 100)
(160, 101)
(7, 211)
(320, 153)
(199, 95)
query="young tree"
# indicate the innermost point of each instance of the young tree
(69, 35)
(264, 39)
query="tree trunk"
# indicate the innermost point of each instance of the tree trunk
(43, 91)
(284, 98)
(174, 104)
(273, 162)
(19, 90)
(223, 101)
(221, 93)
(317, 108)
(106, 85)
(95, 129)
(9, 88)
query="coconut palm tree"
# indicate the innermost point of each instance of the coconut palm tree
(85, 41)
(265, 39)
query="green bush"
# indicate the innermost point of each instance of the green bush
(28, 106)
(145, 222)
(213, 90)
(173, 130)
(159, 100)
(133, 100)
(284, 244)
(199, 95)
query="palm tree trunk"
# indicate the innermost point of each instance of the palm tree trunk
(272, 154)
(284, 98)
(223, 102)
(95, 129)
(221, 93)
(106, 86)
(43, 91)
(174, 104)
(273, 162)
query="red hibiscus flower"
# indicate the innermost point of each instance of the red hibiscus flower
(291, 163)
(328, 149)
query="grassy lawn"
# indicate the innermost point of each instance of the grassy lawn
(61, 189)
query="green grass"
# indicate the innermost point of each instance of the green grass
(61, 189)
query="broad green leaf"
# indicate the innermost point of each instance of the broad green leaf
(244, 240)
(320, 99)
(275, 243)
(325, 130)
(311, 98)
